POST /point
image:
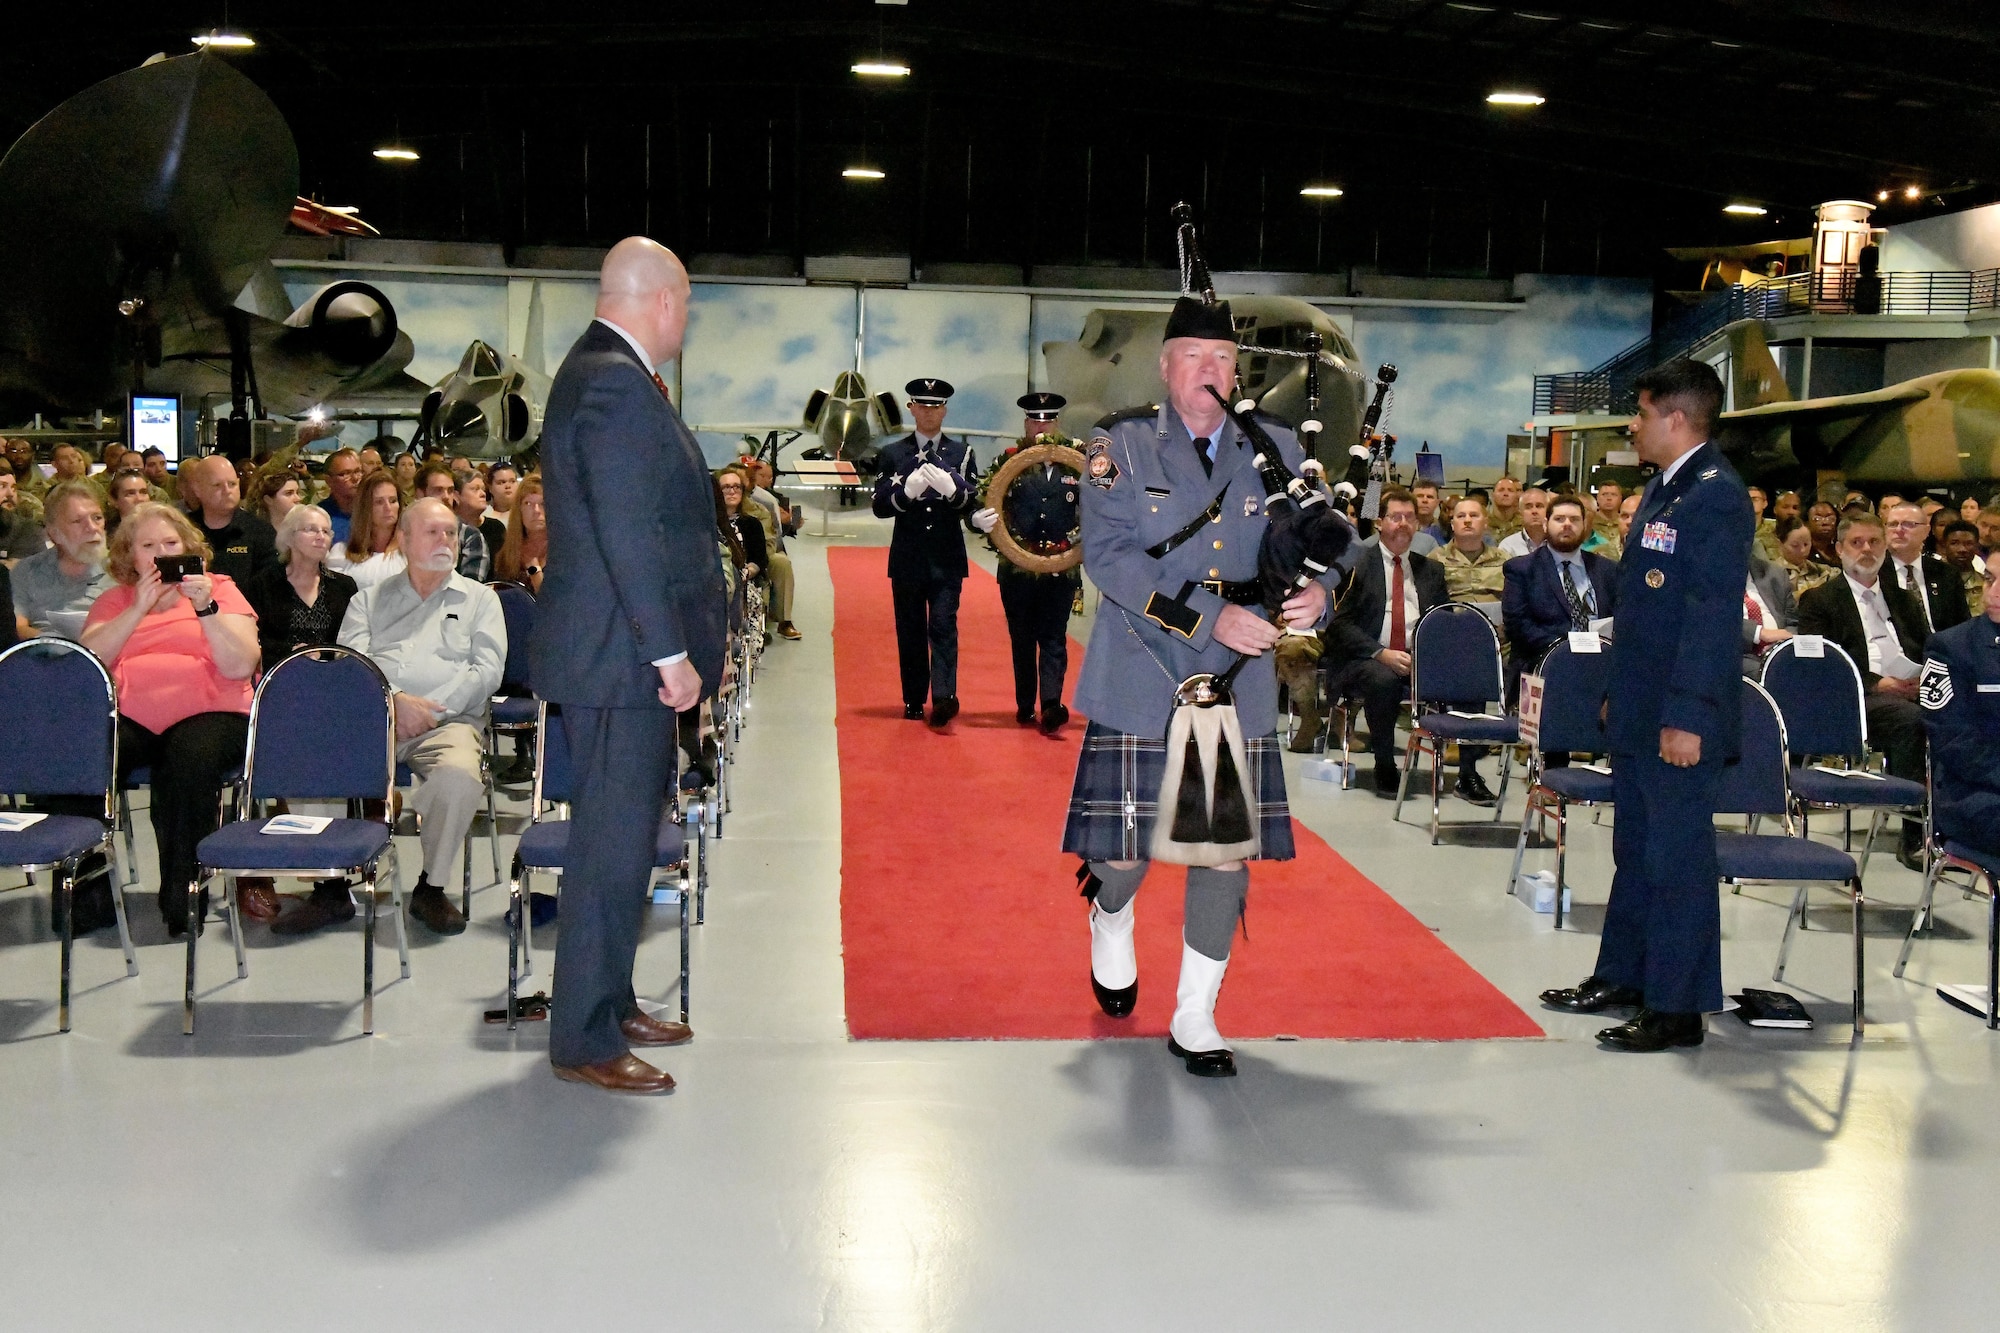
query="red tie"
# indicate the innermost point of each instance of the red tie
(1398, 627)
(663, 387)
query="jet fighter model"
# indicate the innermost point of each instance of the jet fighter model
(136, 221)
(1932, 430)
(1115, 363)
(850, 423)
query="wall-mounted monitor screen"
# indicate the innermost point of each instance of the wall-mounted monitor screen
(154, 422)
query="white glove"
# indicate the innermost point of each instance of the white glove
(943, 482)
(985, 519)
(918, 481)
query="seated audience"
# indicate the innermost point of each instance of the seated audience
(1795, 548)
(70, 463)
(1604, 537)
(273, 495)
(241, 540)
(1503, 510)
(300, 603)
(1968, 509)
(1962, 715)
(343, 481)
(1877, 624)
(441, 639)
(1770, 611)
(1473, 567)
(154, 464)
(526, 550)
(1433, 525)
(183, 655)
(1823, 519)
(1533, 512)
(1935, 588)
(1558, 588)
(744, 518)
(373, 550)
(404, 469)
(123, 494)
(502, 479)
(1960, 548)
(20, 529)
(783, 521)
(475, 550)
(55, 588)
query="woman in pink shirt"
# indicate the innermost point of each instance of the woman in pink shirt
(183, 655)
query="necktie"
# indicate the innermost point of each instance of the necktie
(1205, 450)
(1398, 625)
(662, 386)
(1916, 591)
(1579, 610)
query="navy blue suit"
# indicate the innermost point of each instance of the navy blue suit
(1042, 515)
(1536, 609)
(926, 562)
(633, 577)
(1675, 662)
(1960, 696)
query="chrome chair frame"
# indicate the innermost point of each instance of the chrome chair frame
(1422, 740)
(1540, 800)
(64, 871)
(1938, 861)
(367, 873)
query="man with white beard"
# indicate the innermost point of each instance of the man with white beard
(53, 589)
(441, 640)
(1878, 625)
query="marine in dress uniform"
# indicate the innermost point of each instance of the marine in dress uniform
(1674, 721)
(924, 487)
(1172, 524)
(1042, 515)
(1960, 695)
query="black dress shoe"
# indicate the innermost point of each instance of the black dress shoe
(1472, 788)
(429, 905)
(1593, 995)
(1205, 1064)
(1025, 716)
(174, 911)
(1655, 1030)
(1115, 1003)
(1053, 717)
(328, 904)
(943, 710)
(913, 712)
(1387, 779)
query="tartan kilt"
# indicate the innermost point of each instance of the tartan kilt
(1119, 773)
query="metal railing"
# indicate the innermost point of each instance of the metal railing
(1608, 387)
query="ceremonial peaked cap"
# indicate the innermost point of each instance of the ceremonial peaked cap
(929, 392)
(1041, 406)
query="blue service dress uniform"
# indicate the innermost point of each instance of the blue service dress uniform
(1169, 542)
(926, 562)
(1042, 513)
(1960, 696)
(1675, 662)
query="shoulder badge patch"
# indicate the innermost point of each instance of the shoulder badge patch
(1098, 469)
(1935, 690)
(1249, 505)
(1709, 473)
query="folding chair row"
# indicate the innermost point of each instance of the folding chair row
(1454, 666)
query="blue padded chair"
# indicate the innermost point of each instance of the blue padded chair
(316, 723)
(1757, 785)
(1825, 714)
(514, 707)
(60, 738)
(1455, 663)
(1983, 869)
(545, 847)
(1573, 689)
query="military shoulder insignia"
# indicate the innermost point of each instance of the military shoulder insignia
(1098, 469)
(1709, 473)
(1935, 691)
(1656, 578)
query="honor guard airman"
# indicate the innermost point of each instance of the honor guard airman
(1674, 720)
(924, 486)
(1041, 513)
(1172, 521)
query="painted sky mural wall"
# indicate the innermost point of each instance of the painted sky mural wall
(757, 350)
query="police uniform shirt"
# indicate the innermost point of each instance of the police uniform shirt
(1885, 650)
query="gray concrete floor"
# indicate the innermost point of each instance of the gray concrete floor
(278, 1170)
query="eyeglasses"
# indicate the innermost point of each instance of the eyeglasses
(1903, 524)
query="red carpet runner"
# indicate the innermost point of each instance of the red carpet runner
(960, 918)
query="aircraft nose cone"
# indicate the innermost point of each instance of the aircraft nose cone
(459, 420)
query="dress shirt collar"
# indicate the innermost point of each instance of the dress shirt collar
(1667, 473)
(645, 357)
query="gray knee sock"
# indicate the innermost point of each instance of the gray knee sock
(1214, 905)
(1118, 885)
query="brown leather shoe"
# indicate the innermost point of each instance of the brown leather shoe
(429, 905)
(621, 1073)
(787, 630)
(642, 1029)
(257, 899)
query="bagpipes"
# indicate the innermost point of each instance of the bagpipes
(1368, 457)
(1210, 817)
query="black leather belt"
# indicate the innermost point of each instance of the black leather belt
(1242, 594)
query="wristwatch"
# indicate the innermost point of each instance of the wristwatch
(210, 609)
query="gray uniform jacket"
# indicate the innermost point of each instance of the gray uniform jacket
(1144, 482)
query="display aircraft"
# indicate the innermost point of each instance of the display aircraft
(1115, 363)
(137, 220)
(1932, 430)
(491, 406)
(849, 424)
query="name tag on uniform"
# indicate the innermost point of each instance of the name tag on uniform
(1585, 641)
(1988, 689)
(1659, 537)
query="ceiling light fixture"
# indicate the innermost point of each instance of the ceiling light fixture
(1322, 192)
(1911, 192)
(881, 69)
(864, 174)
(1881, 196)
(396, 153)
(1746, 210)
(1514, 99)
(225, 41)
